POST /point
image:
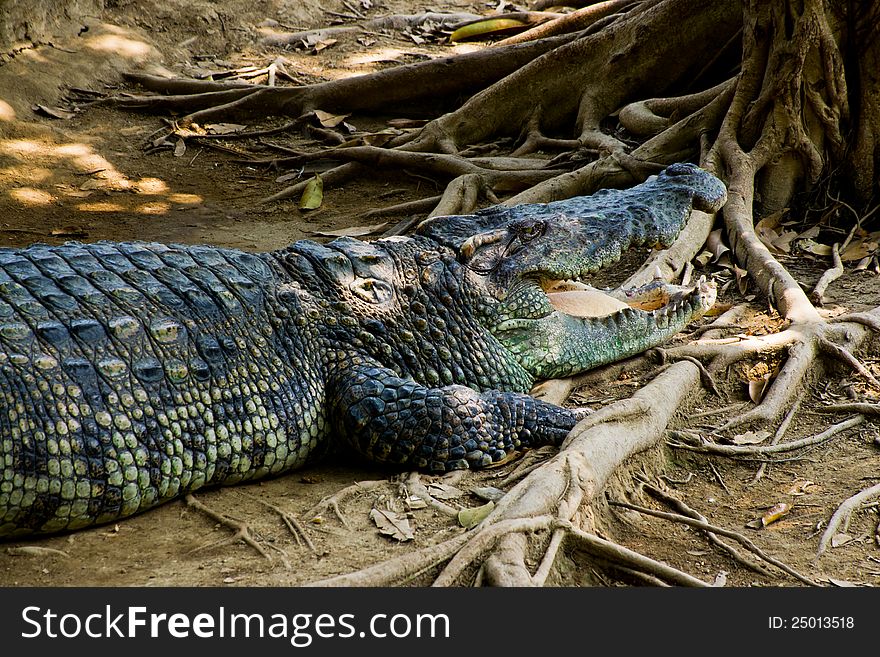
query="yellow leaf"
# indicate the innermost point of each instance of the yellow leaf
(775, 512)
(485, 28)
(471, 517)
(313, 194)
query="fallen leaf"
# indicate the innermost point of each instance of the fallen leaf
(742, 279)
(715, 244)
(842, 583)
(751, 437)
(392, 524)
(179, 148)
(859, 250)
(53, 112)
(354, 231)
(799, 487)
(703, 258)
(329, 120)
(489, 493)
(775, 512)
(486, 28)
(471, 517)
(313, 194)
(720, 579)
(758, 387)
(441, 491)
(815, 248)
(415, 502)
(224, 128)
(840, 539)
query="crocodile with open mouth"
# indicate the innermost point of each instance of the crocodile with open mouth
(132, 373)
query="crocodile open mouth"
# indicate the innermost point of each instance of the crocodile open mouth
(580, 300)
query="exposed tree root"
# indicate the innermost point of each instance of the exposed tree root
(242, 530)
(840, 520)
(701, 524)
(331, 503)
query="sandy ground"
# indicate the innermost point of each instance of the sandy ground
(88, 177)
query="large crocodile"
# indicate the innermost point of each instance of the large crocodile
(132, 373)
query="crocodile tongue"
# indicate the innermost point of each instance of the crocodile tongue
(585, 303)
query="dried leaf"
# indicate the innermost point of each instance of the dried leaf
(751, 437)
(858, 250)
(415, 502)
(313, 194)
(775, 512)
(93, 183)
(179, 148)
(758, 388)
(441, 491)
(742, 279)
(489, 493)
(703, 258)
(325, 43)
(814, 247)
(288, 176)
(392, 524)
(224, 128)
(810, 233)
(354, 231)
(715, 244)
(329, 120)
(841, 539)
(842, 583)
(472, 517)
(486, 28)
(53, 112)
(720, 579)
(799, 487)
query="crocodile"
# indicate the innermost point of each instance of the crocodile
(133, 373)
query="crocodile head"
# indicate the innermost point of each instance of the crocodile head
(529, 261)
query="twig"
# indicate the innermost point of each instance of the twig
(699, 524)
(686, 510)
(414, 487)
(242, 531)
(719, 477)
(780, 433)
(742, 450)
(843, 354)
(857, 407)
(619, 554)
(843, 515)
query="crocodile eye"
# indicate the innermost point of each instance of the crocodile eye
(530, 230)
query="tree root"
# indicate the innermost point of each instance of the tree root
(241, 528)
(701, 524)
(842, 516)
(685, 440)
(331, 503)
(573, 22)
(685, 510)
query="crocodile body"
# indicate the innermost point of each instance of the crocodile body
(132, 373)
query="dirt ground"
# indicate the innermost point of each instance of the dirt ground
(88, 177)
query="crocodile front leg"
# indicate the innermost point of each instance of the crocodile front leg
(391, 419)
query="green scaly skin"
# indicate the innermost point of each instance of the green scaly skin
(133, 373)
